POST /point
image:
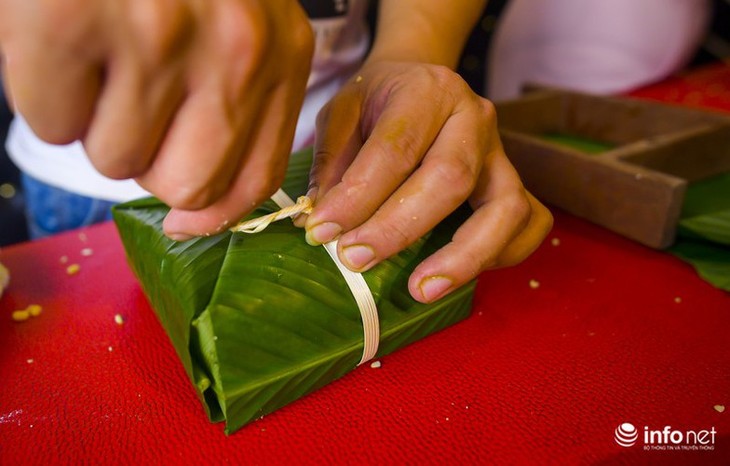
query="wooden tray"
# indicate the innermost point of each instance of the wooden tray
(635, 188)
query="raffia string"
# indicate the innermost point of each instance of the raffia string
(355, 281)
(256, 225)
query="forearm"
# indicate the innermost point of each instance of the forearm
(428, 31)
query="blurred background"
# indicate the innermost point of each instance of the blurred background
(713, 46)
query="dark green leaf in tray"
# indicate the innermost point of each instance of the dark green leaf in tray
(261, 320)
(581, 144)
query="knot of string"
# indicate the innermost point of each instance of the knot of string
(256, 225)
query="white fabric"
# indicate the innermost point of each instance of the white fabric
(599, 46)
(341, 43)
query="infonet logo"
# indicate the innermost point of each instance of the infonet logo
(626, 435)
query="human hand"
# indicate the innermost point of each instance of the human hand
(197, 100)
(399, 149)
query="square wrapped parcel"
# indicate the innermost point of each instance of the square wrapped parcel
(261, 320)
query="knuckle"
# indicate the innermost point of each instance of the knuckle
(443, 75)
(403, 150)
(323, 158)
(192, 196)
(455, 172)
(488, 107)
(449, 81)
(302, 38)
(161, 29)
(116, 167)
(517, 205)
(489, 112)
(51, 25)
(241, 35)
(394, 237)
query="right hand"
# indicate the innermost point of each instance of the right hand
(195, 99)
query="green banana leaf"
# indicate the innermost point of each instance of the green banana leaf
(261, 320)
(703, 233)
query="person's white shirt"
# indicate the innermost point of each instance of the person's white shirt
(341, 44)
(598, 46)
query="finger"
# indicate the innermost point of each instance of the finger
(391, 153)
(202, 149)
(143, 86)
(445, 179)
(501, 232)
(131, 117)
(257, 179)
(203, 146)
(337, 141)
(524, 244)
(54, 89)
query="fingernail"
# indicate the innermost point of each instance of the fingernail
(179, 236)
(312, 193)
(433, 288)
(357, 257)
(323, 233)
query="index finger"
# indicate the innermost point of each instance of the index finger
(402, 135)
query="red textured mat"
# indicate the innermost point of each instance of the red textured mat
(614, 333)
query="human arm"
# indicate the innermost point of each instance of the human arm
(405, 143)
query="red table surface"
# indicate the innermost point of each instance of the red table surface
(614, 333)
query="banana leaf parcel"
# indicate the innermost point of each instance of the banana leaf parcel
(261, 320)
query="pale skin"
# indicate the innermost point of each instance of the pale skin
(196, 100)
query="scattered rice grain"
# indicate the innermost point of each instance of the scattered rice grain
(534, 284)
(87, 252)
(119, 319)
(20, 316)
(375, 365)
(34, 309)
(555, 241)
(73, 269)
(719, 408)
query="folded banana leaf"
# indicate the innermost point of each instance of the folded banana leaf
(261, 320)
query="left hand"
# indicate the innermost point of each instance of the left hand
(398, 149)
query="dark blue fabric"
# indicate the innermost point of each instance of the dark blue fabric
(51, 210)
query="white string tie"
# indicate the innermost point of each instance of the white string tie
(355, 281)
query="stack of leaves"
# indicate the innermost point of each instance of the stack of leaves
(261, 320)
